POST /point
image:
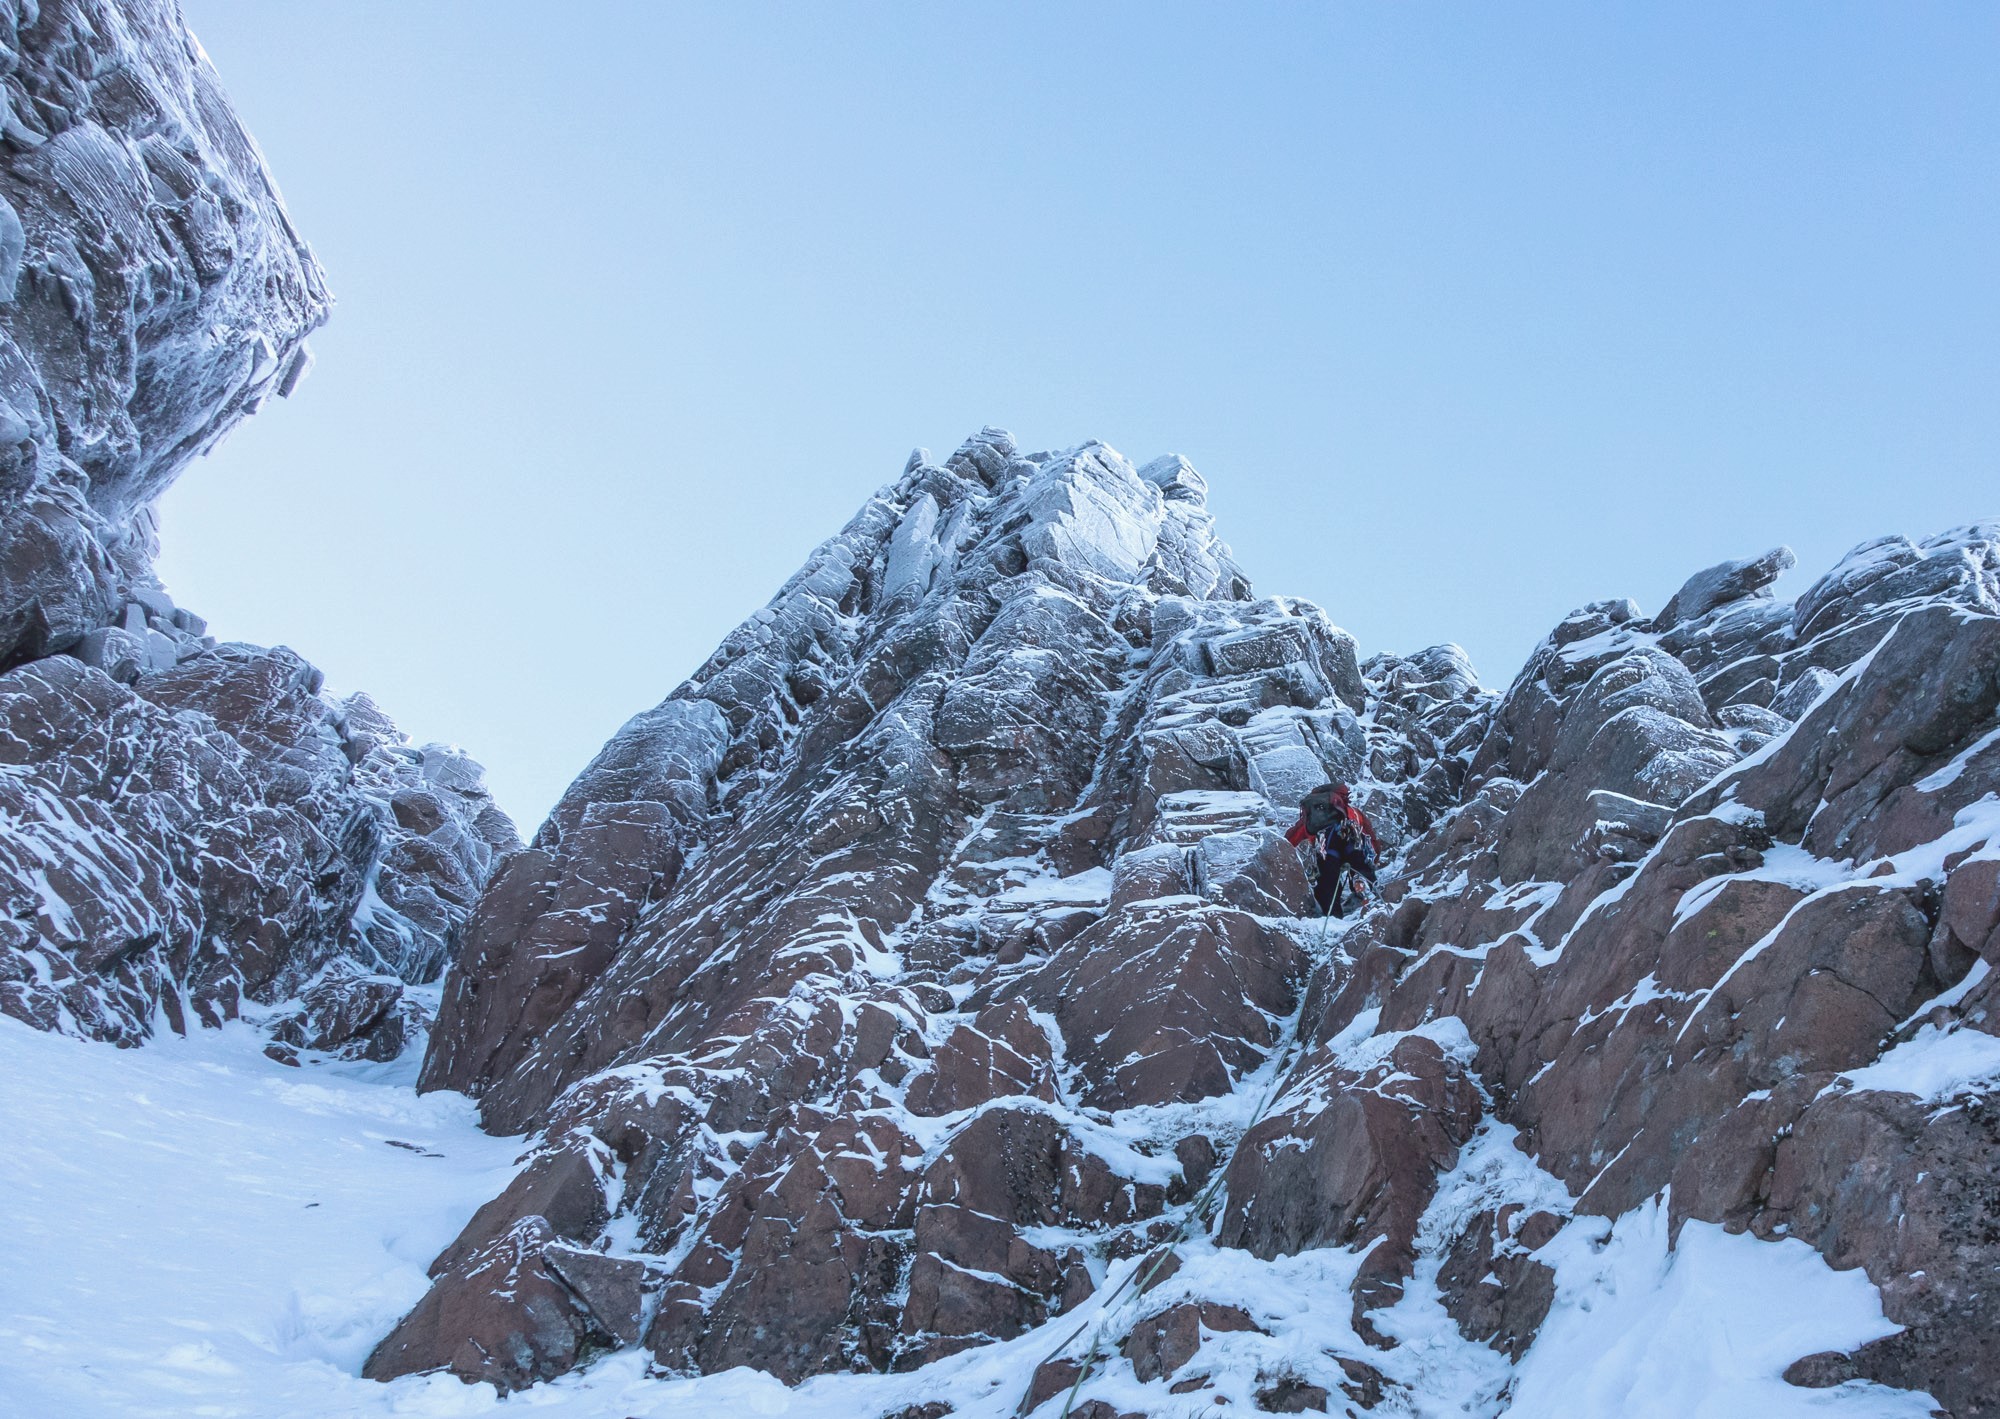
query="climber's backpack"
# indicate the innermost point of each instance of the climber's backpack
(1321, 810)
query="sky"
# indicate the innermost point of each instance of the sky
(1469, 314)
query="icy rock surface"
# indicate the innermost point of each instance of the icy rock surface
(222, 830)
(152, 293)
(888, 972)
(184, 826)
(899, 985)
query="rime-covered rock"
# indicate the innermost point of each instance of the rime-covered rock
(184, 826)
(907, 971)
(880, 862)
(152, 293)
(220, 832)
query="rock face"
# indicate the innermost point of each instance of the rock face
(852, 955)
(907, 969)
(1674, 965)
(222, 830)
(183, 825)
(931, 964)
(152, 293)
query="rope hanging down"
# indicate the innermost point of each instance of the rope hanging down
(1108, 1308)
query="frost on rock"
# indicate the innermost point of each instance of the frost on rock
(941, 951)
(152, 293)
(921, 1002)
(223, 832)
(185, 827)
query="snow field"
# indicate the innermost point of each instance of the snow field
(195, 1230)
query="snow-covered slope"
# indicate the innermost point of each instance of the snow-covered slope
(195, 1229)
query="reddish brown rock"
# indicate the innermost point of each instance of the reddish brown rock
(806, 1227)
(1023, 1166)
(1003, 1052)
(1824, 1369)
(1490, 1282)
(820, 888)
(1160, 1344)
(1910, 1192)
(1925, 696)
(1160, 1003)
(500, 1315)
(612, 1288)
(209, 835)
(1969, 916)
(1051, 1378)
(561, 1186)
(346, 1012)
(1365, 1385)
(1099, 1409)
(1814, 995)
(1351, 1153)
(1288, 1394)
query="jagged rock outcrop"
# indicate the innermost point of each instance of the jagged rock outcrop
(900, 977)
(1719, 974)
(969, 842)
(152, 293)
(930, 964)
(220, 831)
(183, 825)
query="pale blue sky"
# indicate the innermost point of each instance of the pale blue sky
(1469, 313)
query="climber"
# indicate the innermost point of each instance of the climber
(1346, 843)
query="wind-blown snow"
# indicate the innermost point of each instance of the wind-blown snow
(1935, 1065)
(193, 1228)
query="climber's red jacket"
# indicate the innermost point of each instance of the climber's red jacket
(1300, 832)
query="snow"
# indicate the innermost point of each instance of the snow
(1948, 775)
(1637, 1331)
(196, 1230)
(1973, 827)
(1702, 1331)
(1934, 1065)
(1783, 862)
(1362, 1052)
(1092, 886)
(913, 550)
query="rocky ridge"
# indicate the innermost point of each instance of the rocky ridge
(184, 826)
(929, 967)
(903, 978)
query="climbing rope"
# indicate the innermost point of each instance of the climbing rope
(1108, 1308)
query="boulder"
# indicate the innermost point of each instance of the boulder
(1723, 583)
(1350, 1157)
(1162, 1343)
(502, 1315)
(1164, 1002)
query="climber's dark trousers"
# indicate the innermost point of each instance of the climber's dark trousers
(1331, 869)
